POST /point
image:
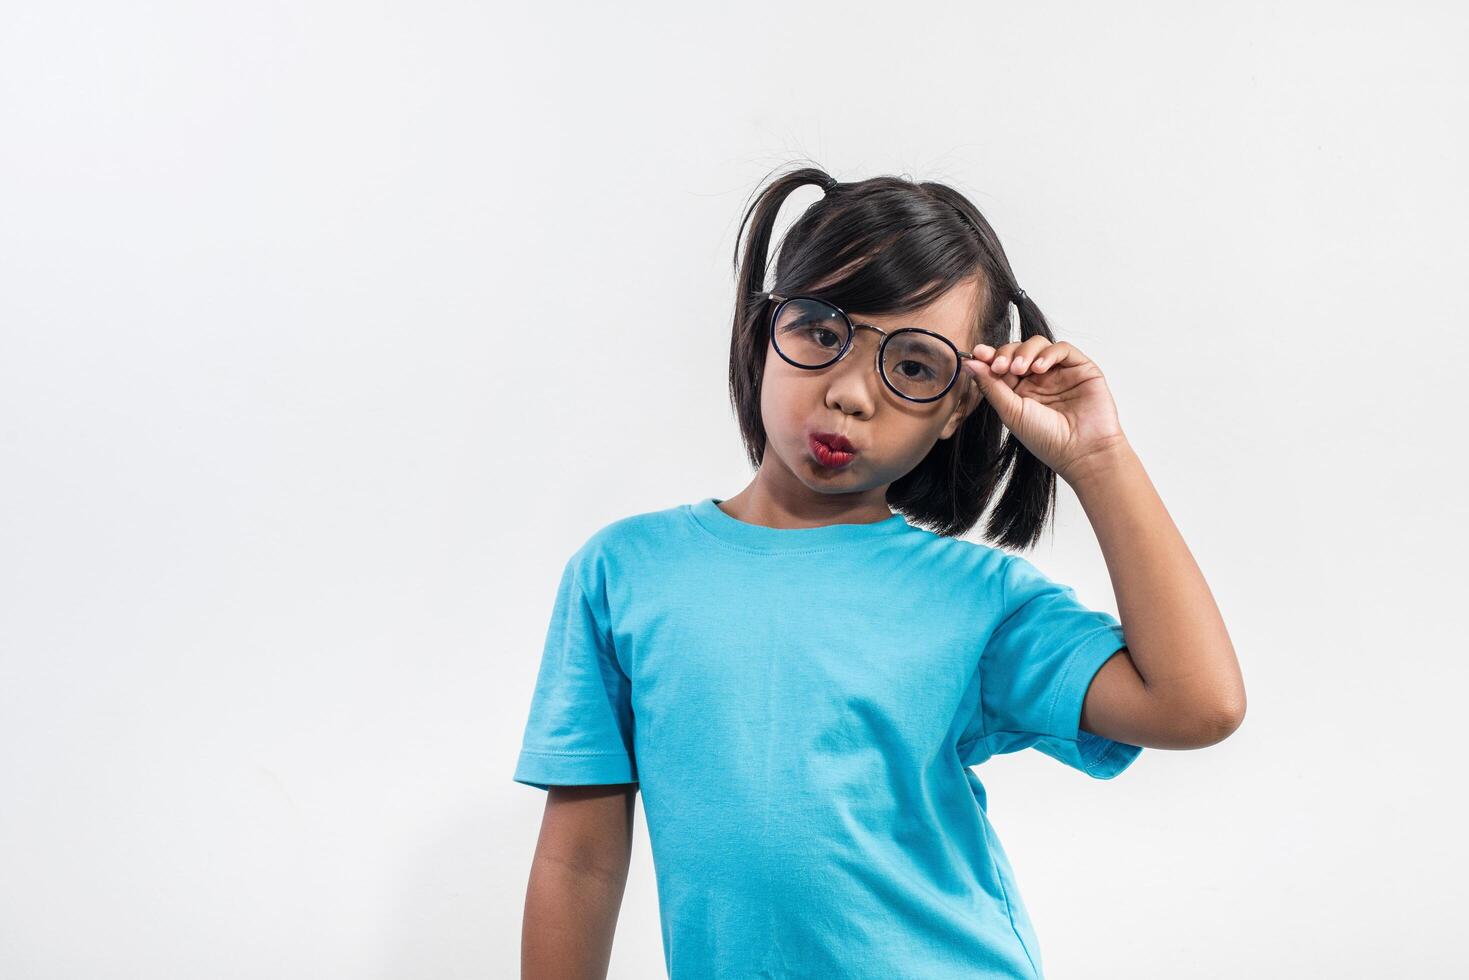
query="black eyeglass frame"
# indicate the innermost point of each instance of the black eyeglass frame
(852, 328)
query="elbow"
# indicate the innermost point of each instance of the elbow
(1220, 722)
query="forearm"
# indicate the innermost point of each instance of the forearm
(1175, 634)
(570, 917)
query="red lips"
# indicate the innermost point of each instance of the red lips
(836, 442)
(831, 450)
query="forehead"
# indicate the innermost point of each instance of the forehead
(953, 314)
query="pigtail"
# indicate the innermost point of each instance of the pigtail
(747, 339)
(1026, 505)
(1028, 502)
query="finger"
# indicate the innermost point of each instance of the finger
(1053, 356)
(1026, 353)
(1003, 353)
(997, 390)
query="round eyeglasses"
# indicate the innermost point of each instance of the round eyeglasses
(917, 364)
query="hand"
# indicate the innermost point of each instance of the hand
(1053, 398)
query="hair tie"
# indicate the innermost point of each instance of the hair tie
(1019, 295)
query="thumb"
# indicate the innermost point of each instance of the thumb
(1000, 395)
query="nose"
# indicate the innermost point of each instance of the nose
(852, 381)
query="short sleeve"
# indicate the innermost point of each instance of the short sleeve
(580, 727)
(1034, 673)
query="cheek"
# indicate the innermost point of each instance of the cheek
(781, 389)
(778, 403)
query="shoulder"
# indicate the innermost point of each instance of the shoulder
(991, 564)
(628, 541)
(957, 554)
(957, 568)
(637, 529)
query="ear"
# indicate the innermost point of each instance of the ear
(969, 398)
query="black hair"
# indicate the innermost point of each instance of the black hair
(889, 245)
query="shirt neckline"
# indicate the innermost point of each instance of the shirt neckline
(706, 514)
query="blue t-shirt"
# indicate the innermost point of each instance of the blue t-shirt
(800, 707)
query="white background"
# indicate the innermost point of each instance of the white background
(331, 330)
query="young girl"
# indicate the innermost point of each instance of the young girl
(798, 677)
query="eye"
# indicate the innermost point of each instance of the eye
(823, 336)
(923, 372)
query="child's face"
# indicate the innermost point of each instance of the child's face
(891, 435)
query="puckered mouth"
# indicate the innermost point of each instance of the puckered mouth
(835, 441)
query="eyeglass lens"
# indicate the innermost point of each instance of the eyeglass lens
(811, 333)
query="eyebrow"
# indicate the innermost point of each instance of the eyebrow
(856, 322)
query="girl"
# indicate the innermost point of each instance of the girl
(799, 677)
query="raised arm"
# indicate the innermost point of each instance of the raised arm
(1177, 683)
(577, 878)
